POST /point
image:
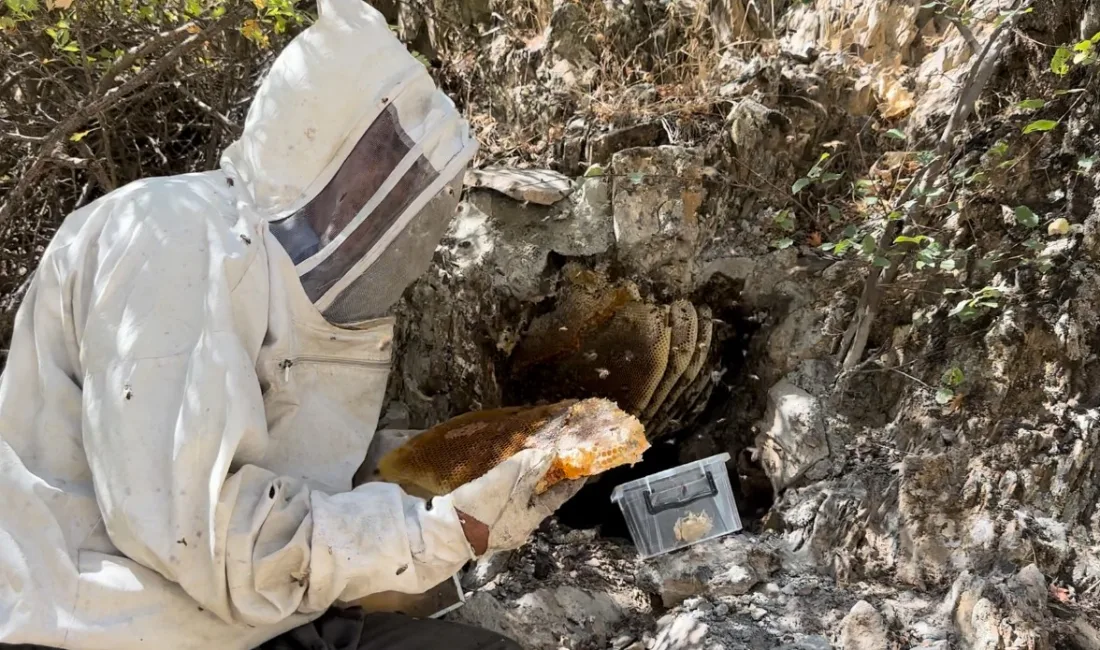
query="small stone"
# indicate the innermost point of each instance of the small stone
(722, 610)
(621, 642)
(757, 613)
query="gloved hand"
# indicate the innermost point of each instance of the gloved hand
(503, 505)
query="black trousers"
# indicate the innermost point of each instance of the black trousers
(352, 629)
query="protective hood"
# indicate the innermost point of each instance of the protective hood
(355, 158)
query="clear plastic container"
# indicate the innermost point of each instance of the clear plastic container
(679, 507)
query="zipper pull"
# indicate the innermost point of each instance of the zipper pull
(285, 365)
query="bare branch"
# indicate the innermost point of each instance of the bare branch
(105, 101)
(206, 108)
(964, 29)
(162, 39)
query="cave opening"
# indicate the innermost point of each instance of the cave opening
(723, 425)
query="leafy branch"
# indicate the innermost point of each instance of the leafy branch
(916, 194)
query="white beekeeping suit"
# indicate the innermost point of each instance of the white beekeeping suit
(180, 419)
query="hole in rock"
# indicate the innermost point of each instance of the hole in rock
(724, 424)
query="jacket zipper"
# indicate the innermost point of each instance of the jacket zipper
(287, 364)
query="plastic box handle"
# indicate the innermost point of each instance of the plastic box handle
(711, 492)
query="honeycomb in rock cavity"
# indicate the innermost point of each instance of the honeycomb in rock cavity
(663, 422)
(684, 330)
(586, 437)
(586, 304)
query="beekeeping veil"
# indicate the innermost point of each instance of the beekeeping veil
(355, 158)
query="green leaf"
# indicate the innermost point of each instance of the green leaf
(1087, 163)
(953, 377)
(834, 212)
(1031, 104)
(1059, 64)
(785, 220)
(800, 185)
(881, 262)
(850, 231)
(594, 171)
(947, 265)
(1025, 217)
(964, 310)
(868, 245)
(897, 134)
(1068, 91)
(870, 200)
(906, 239)
(785, 242)
(1040, 126)
(944, 396)
(895, 215)
(78, 136)
(999, 149)
(841, 246)
(830, 177)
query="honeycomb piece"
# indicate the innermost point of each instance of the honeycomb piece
(664, 420)
(587, 303)
(684, 329)
(587, 437)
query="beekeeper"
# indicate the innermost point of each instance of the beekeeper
(197, 370)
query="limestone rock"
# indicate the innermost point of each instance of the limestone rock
(727, 567)
(656, 196)
(603, 146)
(863, 629)
(682, 632)
(793, 437)
(542, 618)
(512, 241)
(1001, 613)
(540, 186)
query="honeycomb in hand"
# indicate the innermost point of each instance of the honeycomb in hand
(587, 438)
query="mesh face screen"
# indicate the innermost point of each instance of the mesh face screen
(586, 438)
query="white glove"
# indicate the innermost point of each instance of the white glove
(504, 498)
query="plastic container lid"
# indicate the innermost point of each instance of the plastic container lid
(620, 491)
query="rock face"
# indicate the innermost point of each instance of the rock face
(656, 197)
